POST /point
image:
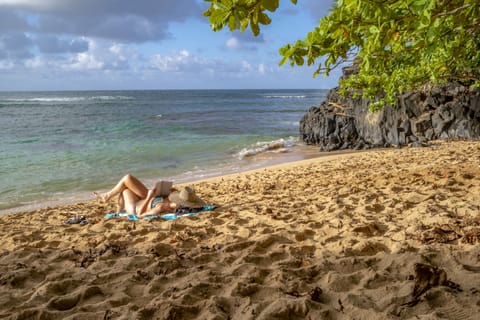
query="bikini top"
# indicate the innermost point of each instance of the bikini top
(156, 201)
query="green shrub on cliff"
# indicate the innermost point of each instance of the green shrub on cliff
(399, 44)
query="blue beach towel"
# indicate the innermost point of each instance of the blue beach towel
(122, 214)
(166, 216)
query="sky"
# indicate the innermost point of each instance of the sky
(148, 44)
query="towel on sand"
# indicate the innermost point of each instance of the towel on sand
(166, 216)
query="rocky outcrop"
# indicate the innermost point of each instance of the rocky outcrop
(450, 111)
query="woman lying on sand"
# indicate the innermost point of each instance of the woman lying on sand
(135, 198)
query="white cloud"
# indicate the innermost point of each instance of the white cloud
(246, 66)
(100, 56)
(233, 43)
(166, 63)
(187, 63)
(121, 53)
(35, 63)
(261, 69)
(181, 61)
(84, 61)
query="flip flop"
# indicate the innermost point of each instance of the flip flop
(82, 220)
(111, 215)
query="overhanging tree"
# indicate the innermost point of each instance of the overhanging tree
(399, 44)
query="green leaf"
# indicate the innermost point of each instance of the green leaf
(244, 25)
(426, 18)
(254, 27)
(264, 19)
(373, 29)
(232, 23)
(299, 60)
(270, 5)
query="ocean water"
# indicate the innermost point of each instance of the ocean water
(63, 145)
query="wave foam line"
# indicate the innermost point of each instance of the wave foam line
(277, 146)
(68, 99)
(286, 97)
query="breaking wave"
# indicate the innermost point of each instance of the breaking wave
(67, 99)
(275, 146)
(285, 96)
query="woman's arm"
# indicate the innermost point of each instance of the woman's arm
(150, 196)
(166, 207)
(152, 212)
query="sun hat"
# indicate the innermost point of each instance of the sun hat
(163, 188)
(186, 197)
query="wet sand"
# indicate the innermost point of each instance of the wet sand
(372, 235)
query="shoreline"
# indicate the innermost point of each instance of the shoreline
(389, 233)
(256, 162)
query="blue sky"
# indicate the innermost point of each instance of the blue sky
(147, 44)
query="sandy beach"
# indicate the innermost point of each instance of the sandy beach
(381, 234)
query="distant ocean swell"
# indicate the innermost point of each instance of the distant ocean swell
(59, 145)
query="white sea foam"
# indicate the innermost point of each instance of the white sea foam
(285, 97)
(67, 99)
(290, 123)
(275, 146)
(51, 99)
(111, 98)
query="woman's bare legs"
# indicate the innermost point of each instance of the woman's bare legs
(128, 182)
(120, 203)
(130, 200)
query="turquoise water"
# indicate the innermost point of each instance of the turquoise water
(57, 145)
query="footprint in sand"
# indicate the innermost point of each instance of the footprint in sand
(278, 256)
(380, 280)
(65, 302)
(303, 251)
(371, 229)
(304, 235)
(376, 207)
(262, 245)
(245, 289)
(217, 221)
(367, 248)
(240, 246)
(89, 294)
(468, 260)
(343, 283)
(289, 309)
(15, 278)
(361, 301)
(456, 312)
(92, 293)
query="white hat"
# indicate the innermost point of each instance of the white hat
(186, 198)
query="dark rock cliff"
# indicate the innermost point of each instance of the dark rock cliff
(450, 111)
